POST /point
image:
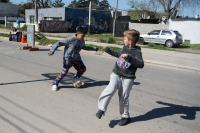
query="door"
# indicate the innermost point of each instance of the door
(32, 19)
(165, 35)
(153, 36)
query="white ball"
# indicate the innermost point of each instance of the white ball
(76, 82)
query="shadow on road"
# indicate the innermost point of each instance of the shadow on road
(67, 80)
(188, 113)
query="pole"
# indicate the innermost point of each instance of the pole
(90, 11)
(36, 12)
(114, 22)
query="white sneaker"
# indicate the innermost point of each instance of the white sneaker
(83, 82)
(54, 88)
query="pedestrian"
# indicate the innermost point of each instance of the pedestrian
(17, 22)
(123, 75)
(71, 56)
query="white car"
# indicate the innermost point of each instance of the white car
(170, 38)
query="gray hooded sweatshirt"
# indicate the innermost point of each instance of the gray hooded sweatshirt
(72, 48)
(134, 58)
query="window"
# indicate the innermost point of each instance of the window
(166, 33)
(155, 32)
(32, 19)
(177, 33)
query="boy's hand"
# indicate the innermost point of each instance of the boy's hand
(124, 55)
(104, 47)
(49, 54)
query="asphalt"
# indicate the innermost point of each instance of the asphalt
(159, 57)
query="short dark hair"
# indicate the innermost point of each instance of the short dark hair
(17, 17)
(81, 30)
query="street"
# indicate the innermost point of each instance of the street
(163, 99)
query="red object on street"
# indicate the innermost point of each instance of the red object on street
(23, 38)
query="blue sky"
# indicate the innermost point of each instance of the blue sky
(123, 6)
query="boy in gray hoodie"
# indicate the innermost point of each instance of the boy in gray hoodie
(123, 75)
(71, 56)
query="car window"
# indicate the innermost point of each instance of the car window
(155, 32)
(177, 33)
(166, 33)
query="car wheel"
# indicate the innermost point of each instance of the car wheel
(169, 43)
(141, 41)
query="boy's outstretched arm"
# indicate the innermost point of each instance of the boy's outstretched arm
(64, 42)
(90, 48)
(111, 52)
(136, 60)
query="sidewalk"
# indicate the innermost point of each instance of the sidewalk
(153, 56)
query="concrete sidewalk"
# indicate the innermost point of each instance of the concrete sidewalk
(159, 57)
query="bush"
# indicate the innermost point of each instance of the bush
(151, 45)
(23, 28)
(102, 40)
(111, 40)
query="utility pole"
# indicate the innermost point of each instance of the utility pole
(114, 22)
(36, 12)
(90, 12)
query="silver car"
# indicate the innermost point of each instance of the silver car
(170, 38)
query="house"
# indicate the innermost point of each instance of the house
(8, 9)
(189, 28)
(76, 15)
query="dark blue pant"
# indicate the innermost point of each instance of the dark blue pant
(79, 66)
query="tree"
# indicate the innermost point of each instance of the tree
(143, 8)
(82, 3)
(23, 6)
(73, 4)
(5, 1)
(42, 3)
(104, 3)
(171, 7)
(58, 3)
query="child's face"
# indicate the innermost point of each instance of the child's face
(127, 42)
(80, 36)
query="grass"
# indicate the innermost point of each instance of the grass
(161, 47)
(45, 42)
(23, 28)
(4, 35)
(191, 46)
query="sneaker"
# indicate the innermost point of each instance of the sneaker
(124, 121)
(99, 114)
(54, 88)
(82, 83)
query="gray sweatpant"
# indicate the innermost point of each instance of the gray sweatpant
(124, 86)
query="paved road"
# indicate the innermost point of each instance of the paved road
(163, 99)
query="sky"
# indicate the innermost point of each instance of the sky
(122, 5)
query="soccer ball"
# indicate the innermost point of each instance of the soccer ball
(77, 82)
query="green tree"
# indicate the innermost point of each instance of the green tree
(143, 8)
(23, 6)
(82, 3)
(104, 3)
(42, 3)
(58, 3)
(73, 4)
(5, 1)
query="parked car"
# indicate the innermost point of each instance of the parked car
(170, 38)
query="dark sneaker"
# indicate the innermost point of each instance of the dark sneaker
(124, 121)
(99, 114)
